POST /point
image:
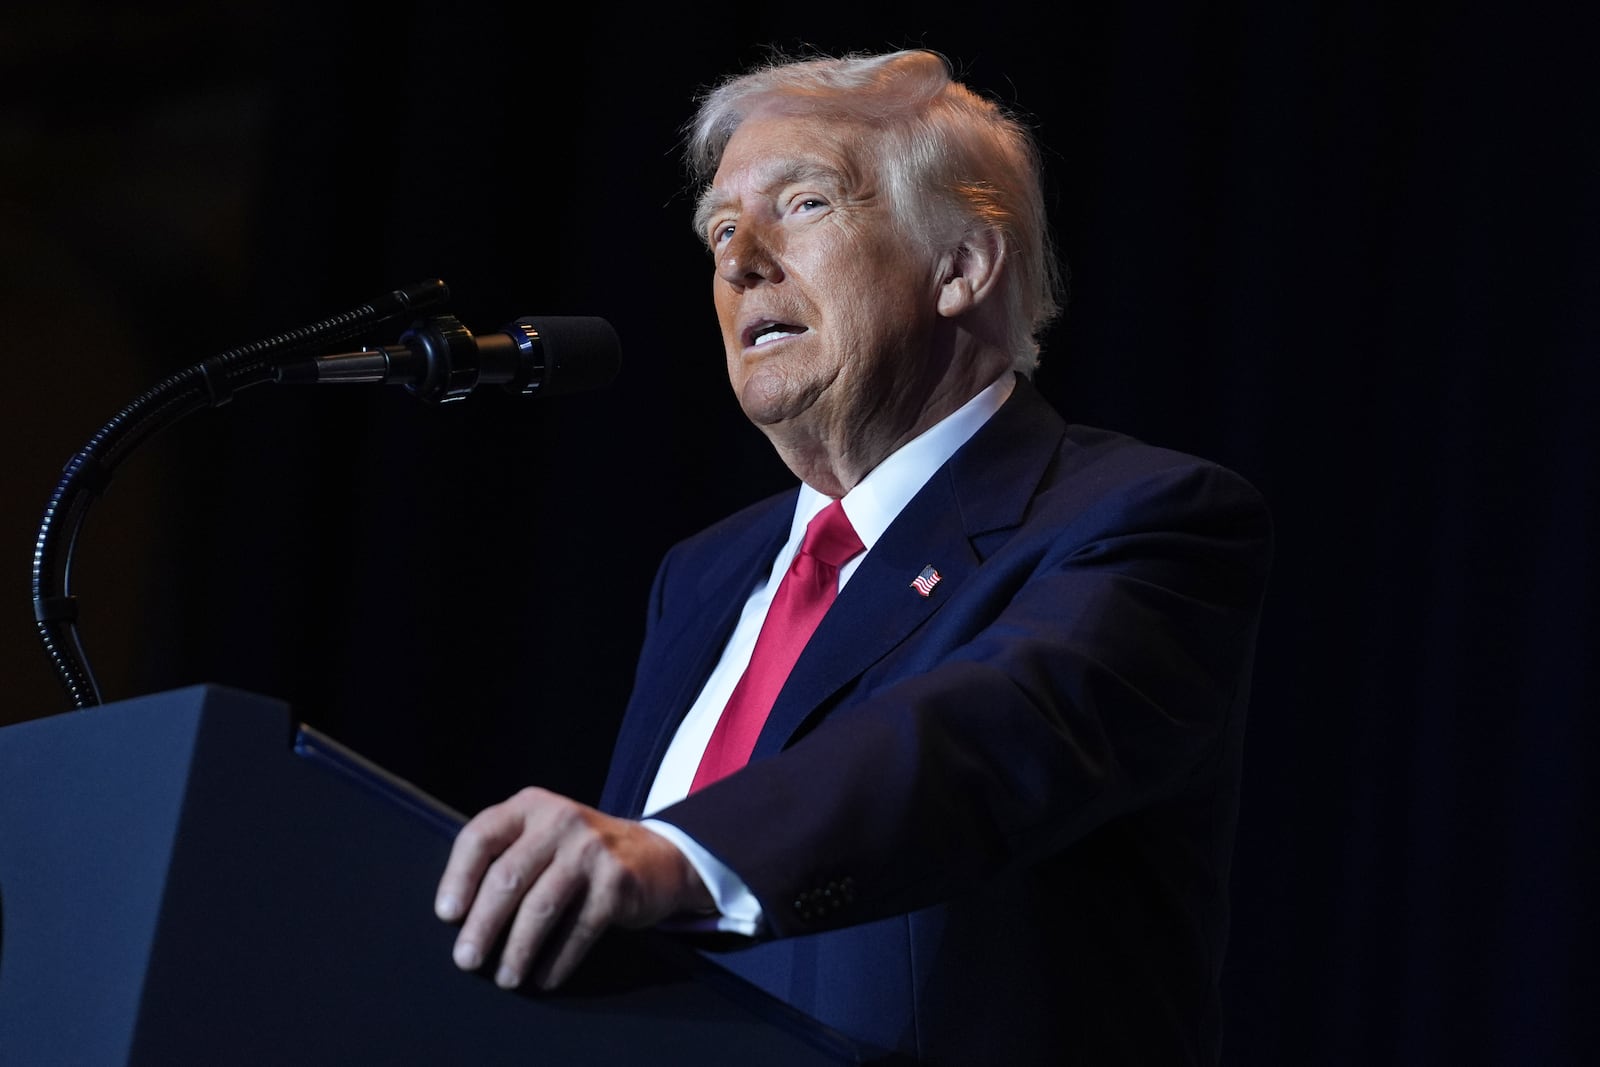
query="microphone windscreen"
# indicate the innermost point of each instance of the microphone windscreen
(581, 352)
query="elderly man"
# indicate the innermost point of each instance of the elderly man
(950, 733)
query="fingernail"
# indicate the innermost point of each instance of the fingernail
(506, 978)
(466, 956)
(447, 908)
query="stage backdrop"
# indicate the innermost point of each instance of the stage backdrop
(1350, 250)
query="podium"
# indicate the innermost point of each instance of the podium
(194, 877)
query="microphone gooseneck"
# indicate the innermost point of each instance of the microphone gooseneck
(211, 383)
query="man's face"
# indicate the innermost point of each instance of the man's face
(826, 308)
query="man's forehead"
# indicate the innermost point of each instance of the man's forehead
(769, 154)
(778, 170)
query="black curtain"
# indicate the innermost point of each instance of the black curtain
(1350, 250)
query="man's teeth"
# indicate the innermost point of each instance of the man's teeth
(773, 333)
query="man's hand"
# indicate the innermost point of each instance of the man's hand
(556, 873)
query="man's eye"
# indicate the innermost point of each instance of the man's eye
(721, 233)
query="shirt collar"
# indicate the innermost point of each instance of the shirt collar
(875, 501)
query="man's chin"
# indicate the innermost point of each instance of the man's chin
(771, 404)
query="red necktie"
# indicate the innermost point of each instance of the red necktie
(803, 596)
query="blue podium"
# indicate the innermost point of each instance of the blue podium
(194, 877)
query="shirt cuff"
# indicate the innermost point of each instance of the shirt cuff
(739, 910)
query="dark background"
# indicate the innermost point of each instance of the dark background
(1349, 250)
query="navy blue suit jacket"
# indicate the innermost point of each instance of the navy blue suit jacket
(992, 825)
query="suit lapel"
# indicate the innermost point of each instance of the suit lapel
(679, 668)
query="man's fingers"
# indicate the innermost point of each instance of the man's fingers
(570, 943)
(503, 894)
(540, 931)
(484, 837)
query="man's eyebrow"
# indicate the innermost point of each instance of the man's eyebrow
(793, 172)
(709, 204)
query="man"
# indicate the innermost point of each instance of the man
(988, 816)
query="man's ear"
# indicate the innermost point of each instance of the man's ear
(971, 272)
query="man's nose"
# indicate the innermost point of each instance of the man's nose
(749, 258)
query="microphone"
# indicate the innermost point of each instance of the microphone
(439, 360)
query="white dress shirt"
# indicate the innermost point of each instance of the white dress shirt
(871, 506)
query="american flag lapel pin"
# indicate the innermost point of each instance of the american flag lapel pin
(924, 582)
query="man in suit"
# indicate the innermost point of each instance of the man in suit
(984, 812)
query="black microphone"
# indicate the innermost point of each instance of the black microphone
(439, 360)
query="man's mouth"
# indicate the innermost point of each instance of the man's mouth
(764, 333)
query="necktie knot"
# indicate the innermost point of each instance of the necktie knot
(830, 538)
